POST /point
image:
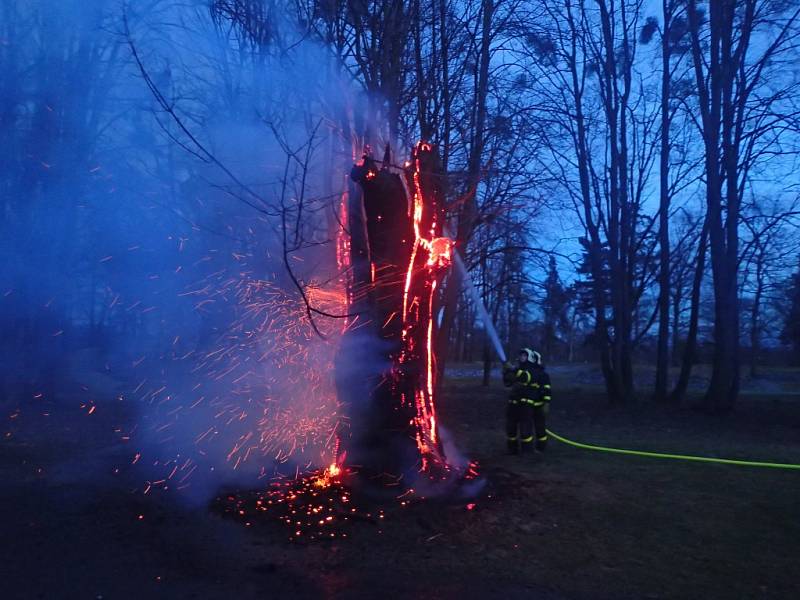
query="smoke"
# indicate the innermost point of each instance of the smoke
(255, 398)
(172, 229)
(146, 243)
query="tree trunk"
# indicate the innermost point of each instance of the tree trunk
(755, 315)
(677, 298)
(717, 117)
(679, 392)
(445, 57)
(469, 211)
(662, 357)
(385, 370)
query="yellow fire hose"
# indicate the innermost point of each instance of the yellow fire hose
(706, 459)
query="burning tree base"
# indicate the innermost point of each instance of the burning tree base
(326, 506)
(315, 508)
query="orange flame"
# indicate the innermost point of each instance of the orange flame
(439, 251)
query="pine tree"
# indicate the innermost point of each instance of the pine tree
(556, 300)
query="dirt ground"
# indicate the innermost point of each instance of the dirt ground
(569, 524)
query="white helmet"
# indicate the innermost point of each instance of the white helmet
(532, 356)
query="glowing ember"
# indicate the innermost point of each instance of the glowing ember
(328, 476)
(440, 252)
(309, 511)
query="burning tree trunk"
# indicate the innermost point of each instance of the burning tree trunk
(386, 366)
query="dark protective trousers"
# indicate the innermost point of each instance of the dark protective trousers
(519, 426)
(521, 420)
(540, 425)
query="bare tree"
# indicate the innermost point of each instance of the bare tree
(672, 34)
(736, 54)
(600, 127)
(766, 256)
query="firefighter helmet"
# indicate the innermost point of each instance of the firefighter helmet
(532, 356)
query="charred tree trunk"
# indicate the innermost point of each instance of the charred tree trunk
(385, 369)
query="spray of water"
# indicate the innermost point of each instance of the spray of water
(488, 324)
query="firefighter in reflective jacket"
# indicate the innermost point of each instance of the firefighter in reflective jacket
(528, 402)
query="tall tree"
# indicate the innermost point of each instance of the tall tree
(599, 128)
(467, 212)
(672, 33)
(554, 309)
(734, 53)
(690, 348)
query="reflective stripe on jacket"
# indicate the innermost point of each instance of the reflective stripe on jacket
(530, 385)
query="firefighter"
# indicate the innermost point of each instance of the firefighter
(528, 402)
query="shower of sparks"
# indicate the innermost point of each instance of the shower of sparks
(264, 398)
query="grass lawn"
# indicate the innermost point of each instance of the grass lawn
(592, 524)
